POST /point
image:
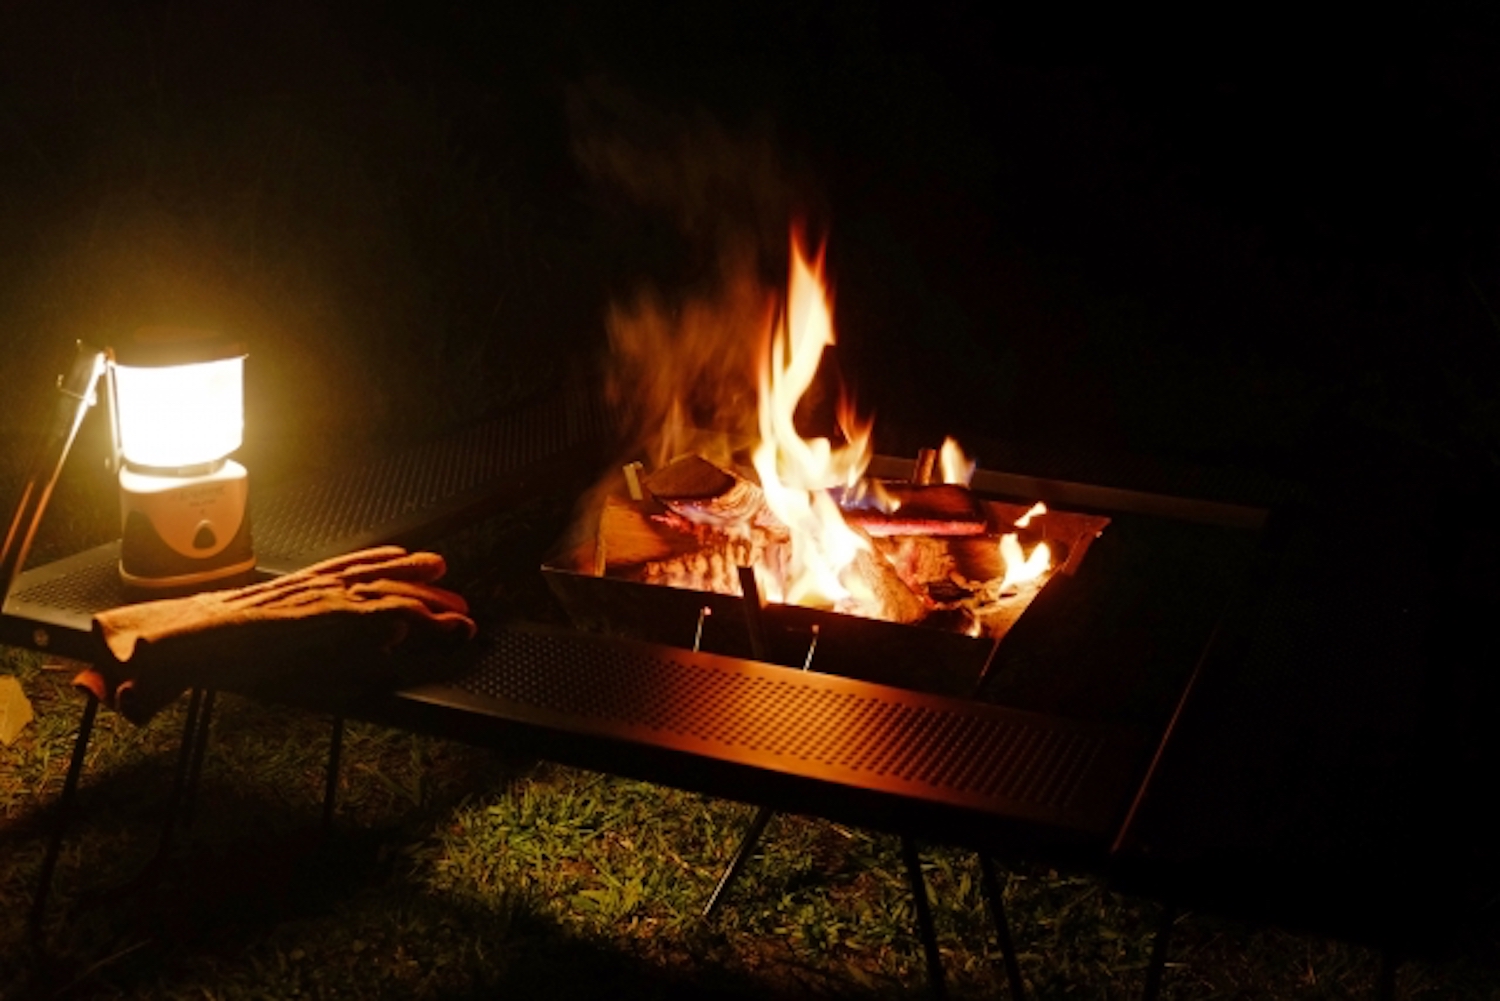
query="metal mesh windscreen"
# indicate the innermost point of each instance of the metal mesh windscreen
(308, 520)
(802, 722)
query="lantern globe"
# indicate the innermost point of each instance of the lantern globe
(179, 408)
(181, 415)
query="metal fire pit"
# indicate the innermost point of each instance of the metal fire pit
(934, 656)
(914, 657)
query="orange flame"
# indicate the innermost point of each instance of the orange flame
(796, 473)
(956, 466)
(1020, 568)
(1037, 510)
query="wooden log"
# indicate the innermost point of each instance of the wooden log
(629, 535)
(940, 509)
(705, 494)
(691, 477)
(895, 600)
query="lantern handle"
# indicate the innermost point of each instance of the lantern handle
(77, 392)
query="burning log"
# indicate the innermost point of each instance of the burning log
(690, 478)
(897, 600)
(697, 523)
(941, 509)
(632, 535)
(706, 494)
(927, 550)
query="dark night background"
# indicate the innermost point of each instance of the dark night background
(1250, 240)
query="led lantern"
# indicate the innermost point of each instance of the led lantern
(178, 397)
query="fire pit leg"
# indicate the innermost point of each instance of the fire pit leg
(742, 854)
(1158, 964)
(993, 895)
(926, 928)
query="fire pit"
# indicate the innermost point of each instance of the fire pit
(908, 580)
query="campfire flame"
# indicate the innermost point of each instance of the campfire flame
(1037, 510)
(718, 382)
(956, 467)
(797, 473)
(1020, 568)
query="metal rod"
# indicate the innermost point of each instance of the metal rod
(994, 896)
(984, 672)
(195, 770)
(812, 648)
(926, 927)
(703, 614)
(75, 396)
(331, 777)
(60, 820)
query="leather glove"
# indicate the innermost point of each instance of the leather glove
(355, 606)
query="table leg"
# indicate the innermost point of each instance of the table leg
(195, 769)
(60, 820)
(179, 781)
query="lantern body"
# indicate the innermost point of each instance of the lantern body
(184, 511)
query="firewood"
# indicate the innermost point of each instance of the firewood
(705, 494)
(628, 536)
(691, 477)
(895, 601)
(920, 560)
(939, 509)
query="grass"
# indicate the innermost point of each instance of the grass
(454, 873)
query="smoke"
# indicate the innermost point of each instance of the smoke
(701, 212)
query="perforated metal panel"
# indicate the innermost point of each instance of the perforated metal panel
(69, 589)
(832, 729)
(316, 518)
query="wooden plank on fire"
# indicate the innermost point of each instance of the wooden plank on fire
(630, 536)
